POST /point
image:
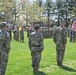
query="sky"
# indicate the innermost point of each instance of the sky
(54, 0)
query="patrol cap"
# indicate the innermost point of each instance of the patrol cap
(3, 24)
(37, 27)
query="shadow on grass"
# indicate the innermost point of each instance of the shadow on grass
(39, 73)
(67, 68)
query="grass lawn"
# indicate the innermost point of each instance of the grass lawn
(20, 59)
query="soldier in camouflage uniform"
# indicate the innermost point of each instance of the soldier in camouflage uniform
(60, 39)
(36, 46)
(4, 47)
(17, 34)
(22, 35)
(10, 32)
(71, 34)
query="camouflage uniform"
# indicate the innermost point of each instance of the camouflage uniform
(4, 50)
(60, 39)
(74, 36)
(36, 47)
(16, 34)
(22, 35)
(10, 32)
(71, 35)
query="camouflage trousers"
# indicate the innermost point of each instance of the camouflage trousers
(17, 38)
(60, 50)
(36, 57)
(3, 62)
(21, 39)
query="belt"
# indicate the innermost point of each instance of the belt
(36, 45)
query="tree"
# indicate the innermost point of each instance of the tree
(6, 6)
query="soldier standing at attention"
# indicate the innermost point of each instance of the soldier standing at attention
(17, 35)
(10, 32)
(4, 47)
(60, 39)
(36, 46)
(22, 35)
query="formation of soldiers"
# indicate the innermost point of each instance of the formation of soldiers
(35, 42)
(47, 33)
(72, 31)
(59, 38)
(36, 45)
(72, 35)
(18, 34)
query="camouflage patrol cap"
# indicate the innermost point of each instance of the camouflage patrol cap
(3, 24)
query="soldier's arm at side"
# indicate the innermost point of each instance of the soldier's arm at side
(8, 42)
(65, 37)
(29, 42)
(54, 36)
(41, 42)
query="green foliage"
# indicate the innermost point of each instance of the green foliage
(20, 59)
(6, 7)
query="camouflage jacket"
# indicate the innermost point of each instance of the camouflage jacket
(60, 35)
(36, 41)
(4, 40)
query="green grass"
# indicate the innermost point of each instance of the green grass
(20, 59)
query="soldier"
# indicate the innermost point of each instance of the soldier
(4, 47)
(17, 34)
(29, 30)
(22, 35)
(36, 46)
(10, 32)
(71, 35)
(74, 35)
(60, 39)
